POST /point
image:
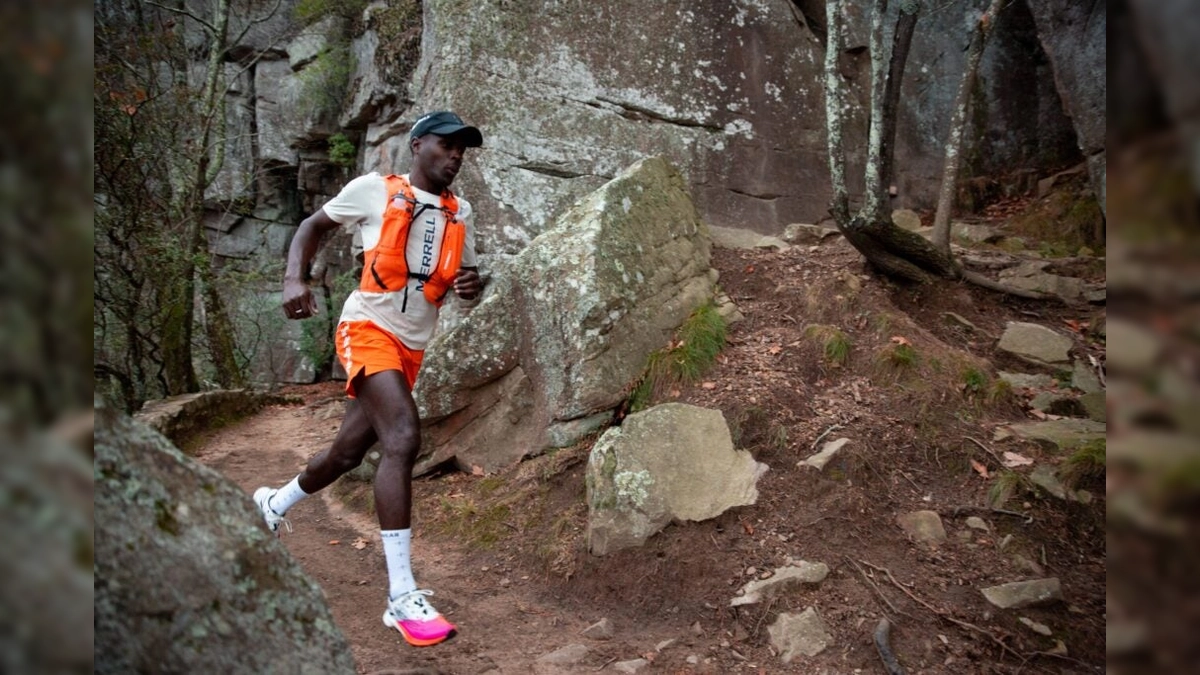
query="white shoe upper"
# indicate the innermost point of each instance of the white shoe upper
(262, 497)
(413, 606)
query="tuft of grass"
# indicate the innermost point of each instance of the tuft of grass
(779, 437)
(693, 351)
(478, 526)
(1000, 393)
(1005, 487)
(835, 344)
(974, 381)
(1086, 464)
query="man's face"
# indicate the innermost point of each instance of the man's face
(439, 157)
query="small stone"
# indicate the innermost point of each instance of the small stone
(959, 320)
(923, 526)
(696, 629)
(1026, 380)
(692, 660)
(1044, 477)
(828, 450)
(751, 571)
(1132, 349)
(802, 572)
(794, 634)
(601, 630)
(1083, 497)
(977, 523)
(1035, 343)
(1018, 594)
(1084, 378)
(1039, 628)
(632, 666)
(565, 656)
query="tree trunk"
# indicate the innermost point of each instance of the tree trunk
(945, 203)
(901, 43)
(222, 345)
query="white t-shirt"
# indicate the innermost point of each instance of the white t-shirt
(407, 315)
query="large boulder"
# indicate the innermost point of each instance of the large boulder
(46, 625)
(730, 92)
(1074, 37)
(187, 577)
(550, 351)
(673, 462)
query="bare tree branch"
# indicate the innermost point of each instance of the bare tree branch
(185, 12)
(840, 207)
(873, 199)
(941, 219)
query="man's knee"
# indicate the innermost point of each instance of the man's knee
(402, 444)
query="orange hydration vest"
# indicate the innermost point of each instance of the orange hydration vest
(385, 267)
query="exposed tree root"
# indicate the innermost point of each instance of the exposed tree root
(883, 632)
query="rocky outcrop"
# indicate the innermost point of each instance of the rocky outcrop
(671, 462)
(188, 579)
(551, 349)
(181, 417)
(46, 625)
(1073, 35)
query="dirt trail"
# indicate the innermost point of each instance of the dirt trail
(506, 557)
(503, 628)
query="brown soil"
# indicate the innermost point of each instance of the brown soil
(506, 553)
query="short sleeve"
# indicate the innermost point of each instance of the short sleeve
(469, 257)
(359, 199)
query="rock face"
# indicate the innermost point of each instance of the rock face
(187, 577)
(47, 567)
(549, 352)
(1074, 36)
(568, 93)
(179, 417)
(671, 462)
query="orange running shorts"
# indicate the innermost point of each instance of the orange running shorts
(365, 348)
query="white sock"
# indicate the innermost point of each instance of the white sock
(286, 497)
(397, 549)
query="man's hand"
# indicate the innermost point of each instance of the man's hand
(467, 283)
(298, 300)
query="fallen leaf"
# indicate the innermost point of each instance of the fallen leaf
(979, 468)
(774, 349)
(359, 543)
(748, 527)
(901, 340)
(334, 542)
(476, 470)
(708, 385)
(749, 269)
(1012, 459)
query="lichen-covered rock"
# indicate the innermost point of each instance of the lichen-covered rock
(187, 577)
(671, 462)
(553, 346)
(46, 625)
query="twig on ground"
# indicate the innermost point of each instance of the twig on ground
(1052, 655)
(825, 433)
(986, 449)
(883, 632)
(605, 664)
(814, 522)
(758, 624)
(878, 592)
(911, 481)
(943, 615)
(953, 513)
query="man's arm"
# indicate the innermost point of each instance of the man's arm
(298, 300)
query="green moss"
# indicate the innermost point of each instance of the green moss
(164, 519)
(1087, 463)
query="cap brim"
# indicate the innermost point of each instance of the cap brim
(471, 135)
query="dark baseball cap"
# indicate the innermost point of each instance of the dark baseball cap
(446, 123)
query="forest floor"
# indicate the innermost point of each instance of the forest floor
(506, 553)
